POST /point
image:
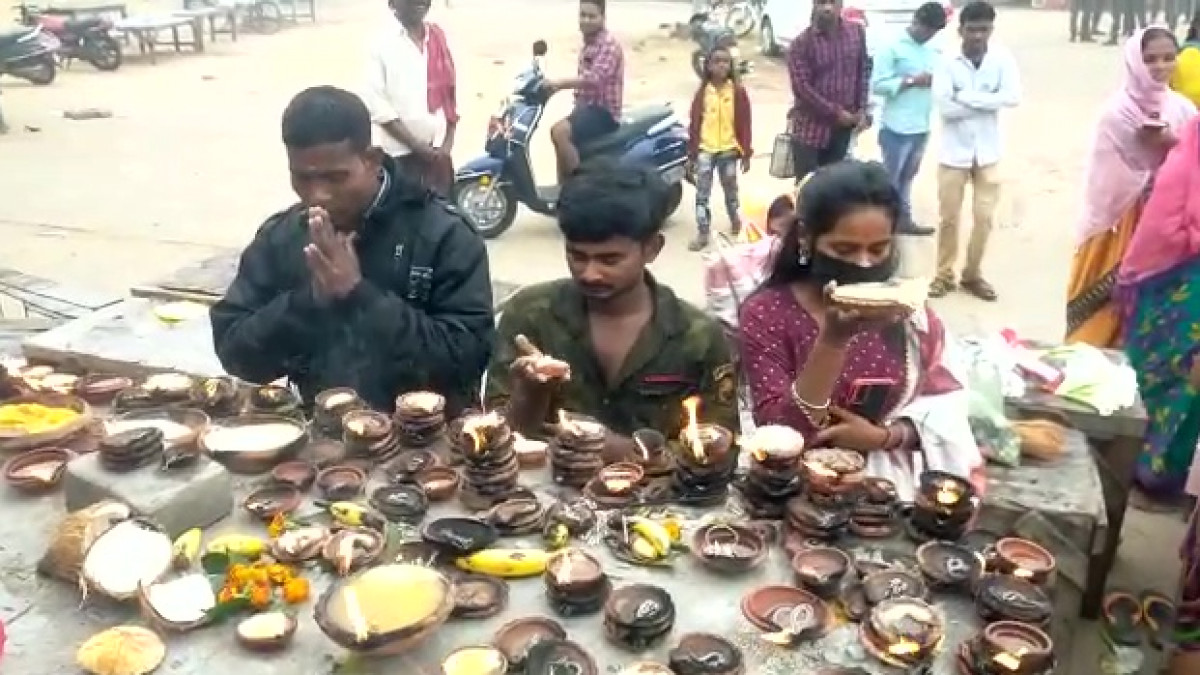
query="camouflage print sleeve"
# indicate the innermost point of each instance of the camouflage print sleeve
(718, 386)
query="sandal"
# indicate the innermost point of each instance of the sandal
(1158, 614)
(1121, 618)
(980, 289)
(941, 287)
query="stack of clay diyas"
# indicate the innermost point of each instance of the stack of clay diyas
(576, 583)
(834, 476)
(638, 617)
(1007, 648)
(369, 435)
(576, 451)
(491, 467)
(517, 516)
(806, 520)
(128, 450)
(874, 516)
(330, 406)
(943, 508)
(774, 476)
(420, 418)
(275, 400)
(705, 462)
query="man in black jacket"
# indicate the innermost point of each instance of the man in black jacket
(371, 282)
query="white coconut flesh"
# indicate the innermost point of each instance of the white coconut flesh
(265, 626)
(173, 432)
(386, 599)
(128, 555)
(168, 382)
(182, 600)
(251, 438)
(337, 399)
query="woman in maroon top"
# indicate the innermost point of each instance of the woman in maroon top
(806, 361)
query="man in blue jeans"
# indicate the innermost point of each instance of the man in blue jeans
(902, 74)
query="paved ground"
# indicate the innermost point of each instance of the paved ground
(191, 161)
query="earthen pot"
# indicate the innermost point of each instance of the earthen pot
(272, 500)
(477, 596)
(296, 473)
(515, 638)
(340, 482)
(785, 608)
(729, 548)
(439, 482)
(1024, 559)
(1011, 643)
(947, 564)
(706, 654)
(821, 570)
(37, 471)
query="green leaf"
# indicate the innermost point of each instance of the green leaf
(215, 562)
(225, 610)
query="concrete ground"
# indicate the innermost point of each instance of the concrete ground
(190, 162)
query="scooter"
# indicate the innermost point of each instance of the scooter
(739, 16)
(87, 39)
(28, 53)
(708, 34)
(488, 188)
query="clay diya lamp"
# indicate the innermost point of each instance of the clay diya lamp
(439, 482)
(787, 615)
(353, 548)
(100, 389)
(37, 471)
(903, 632)
(1024, 559)
(478, 596)
(576, 516)
(705, 654)
(531, 453)
(324, 453)
(460, 536)
(575, 583)
(880, 491)
(516, 638)
(706, 446)
(821, 570)
(482, 432)
(368, 433)
(340, 482)
(272, 500)
(638, 616)
(219, 397)
(409, 463)
(815, 521)
(1000, 597)
(620, 479)
(400, 503)
(552, 657)
(650, 451)
(646, 668)
(425, 554)
(948, 565)
(517, 517)
(1014, 648)
(832, 469)
(776, 447)
(892, 585)
(729, 548)
(331, 405)
(946, 494)
(297, 474)
(475, 661)
(274, 399)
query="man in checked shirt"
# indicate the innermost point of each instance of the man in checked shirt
(599, 87)
(829, 69)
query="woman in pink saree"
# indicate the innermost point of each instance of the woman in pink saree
(804, 360)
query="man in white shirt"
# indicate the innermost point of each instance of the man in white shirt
(970, 87)
(397, 93)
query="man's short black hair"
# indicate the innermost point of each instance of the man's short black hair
(600, 5)
(324, 115)
(979, 10)
(604, 199)
(931, 15)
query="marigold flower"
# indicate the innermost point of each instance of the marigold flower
(261, 596)
(279, 574)
(237, 575)
(277, 526)
(295, 590)
(227, 594)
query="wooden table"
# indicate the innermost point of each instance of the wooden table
(220, 20)
(1116, 442)
(147, 28)
(37, 297)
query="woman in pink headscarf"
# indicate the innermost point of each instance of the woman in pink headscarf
(1138, 126)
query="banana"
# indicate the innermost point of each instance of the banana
(655, 534)
(355, 515)
(556, 536)
(507, 563)
(187, 548)
(242, 545)
(643, 549)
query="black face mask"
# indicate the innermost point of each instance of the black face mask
(825, 268)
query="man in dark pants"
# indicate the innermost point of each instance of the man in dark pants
(829, 70)
(1127, 16)
(1085, 14)
(599, 87)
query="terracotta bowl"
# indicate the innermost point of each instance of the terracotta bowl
(340, 482)
(37, 470)
(410, 463)
(729, 548)
(259, 460)
(947, 564)
(439, 482)
(478, 596)
(625, 474)
(100, 389)
(880, 491)
(272, 500)
(1030, 649)
(583, 575)
(365, 426)
(550, 657)
(515, 638)
(1024, 559)
(785, 608)
(706, 653)
(1000, 597)
(400, 502)
(296, 473)
(387, 643)
(931, 483)
(893, 585)
(821, 570)
(336, 402)
(461, 536)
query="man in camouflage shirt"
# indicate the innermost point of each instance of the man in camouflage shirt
(635, 350)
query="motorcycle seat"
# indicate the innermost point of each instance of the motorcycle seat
(636, 123)
(85, 24)
(9, 36)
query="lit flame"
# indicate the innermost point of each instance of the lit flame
(759, 454)
(904, 647)
(691, 431)
(475, 426)
(618, 485)
(947, 494)
(1009, 661)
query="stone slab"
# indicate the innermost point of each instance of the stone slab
(178, 500)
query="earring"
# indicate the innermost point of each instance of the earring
(802, 254)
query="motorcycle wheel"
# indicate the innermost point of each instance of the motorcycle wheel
(40, 70)
(740, 20)
(698, 63)
(103, 52)
(265, 16)
(492, 209)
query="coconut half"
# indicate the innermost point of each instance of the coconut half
(179, 604)
(267, 631)
(124, 650)
(130, 554)
(74, 535)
